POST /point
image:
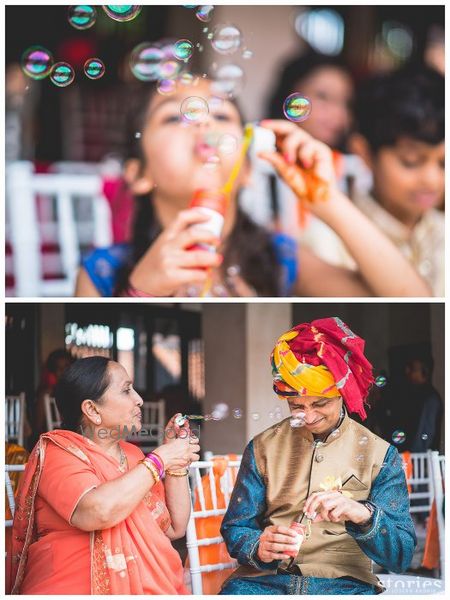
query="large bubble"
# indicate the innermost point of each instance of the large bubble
(183, 49)
(194, 109)
(297, 108)
(228, 80)
(226, 39)
(94, 68)
(37, 62)
(145, 61)
(122, 12)
(62, 74)
(82, 16)
(227, 144)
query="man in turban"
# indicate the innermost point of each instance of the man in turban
(343, 486)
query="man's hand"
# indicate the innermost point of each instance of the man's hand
(335, 507)
(275, 541)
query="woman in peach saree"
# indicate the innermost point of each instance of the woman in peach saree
(93, 516)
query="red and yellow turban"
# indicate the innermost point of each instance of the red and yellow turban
(324, 358)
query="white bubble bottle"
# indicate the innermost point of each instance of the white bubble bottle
(213, 203)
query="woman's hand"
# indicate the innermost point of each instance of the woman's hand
(180, 447)
(300, 160)
(169, 264)
(275, 541)
(334, 507)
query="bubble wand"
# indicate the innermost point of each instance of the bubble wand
(228, 188)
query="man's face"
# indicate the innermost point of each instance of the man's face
(320, 414)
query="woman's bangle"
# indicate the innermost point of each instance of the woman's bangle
(133, 292)
(151, 467)
(158, 456)
(154, 458)
(178, 473)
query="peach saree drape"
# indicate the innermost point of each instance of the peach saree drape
(50, 556)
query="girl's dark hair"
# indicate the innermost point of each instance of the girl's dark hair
(249, 245)
(294, 72)
(405, 103)
(86, 378)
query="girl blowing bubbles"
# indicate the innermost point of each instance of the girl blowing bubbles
(173, 160)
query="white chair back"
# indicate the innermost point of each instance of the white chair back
(15, 418)
(437, 470)
(52, 416)
(61, 196)
(10, 491)
(192, 542)
(153, 423)
(421, 495)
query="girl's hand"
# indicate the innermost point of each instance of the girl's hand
(169, 264)
(304, 163)
(334, 507)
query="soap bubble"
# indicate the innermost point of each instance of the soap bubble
(122, 12)
(221, 410)
(228, 80)
(246, 53)
(82, 17)
(183, 49)
(138, 135)
(94, 68)
(62, 74)
(424, 436)
(297, 108)
(363, 440)
(204, 13)
(169, 69)
(295, 422)
(166, 86)
(360, 458)
(226, 39)
(271, 415)
(187, 79)
(194, 109)
(227, 144)
(256, 416)
(208, 417)
(37, 62)
(145, 61)
(380, 381)
(398, 437)
(238, 413)
(334, 434)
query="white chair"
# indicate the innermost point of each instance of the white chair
(52, 416)
(62, 200)
(437, 470)
(153, 423)
(421, 495)
(192, 542)
(15, 418)
(10, 491)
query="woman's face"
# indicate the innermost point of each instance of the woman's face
(181, 157)
(120, 404)
(331, 91)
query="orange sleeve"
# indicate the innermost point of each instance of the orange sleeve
(65, 479)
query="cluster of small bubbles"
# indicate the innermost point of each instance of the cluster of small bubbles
(165, 87)
(62, 74)
(145, 61)
(297, 108)
(278, 412)
(227, 144)
(360, 458)
(256, 416)
(226, 39)
(319, 458)
(199, 47)
(363, 440)
(122, 12)
(398, 437)
(246, 53)
(238, 413)
(183, 49)
(424, 437)
(204, 13)
(194, 109)
(81, 16)
(37, 62)
(228, 80)
(380, 381)
(94, 68)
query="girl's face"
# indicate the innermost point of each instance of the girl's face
(181, 157)
(330, 90)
